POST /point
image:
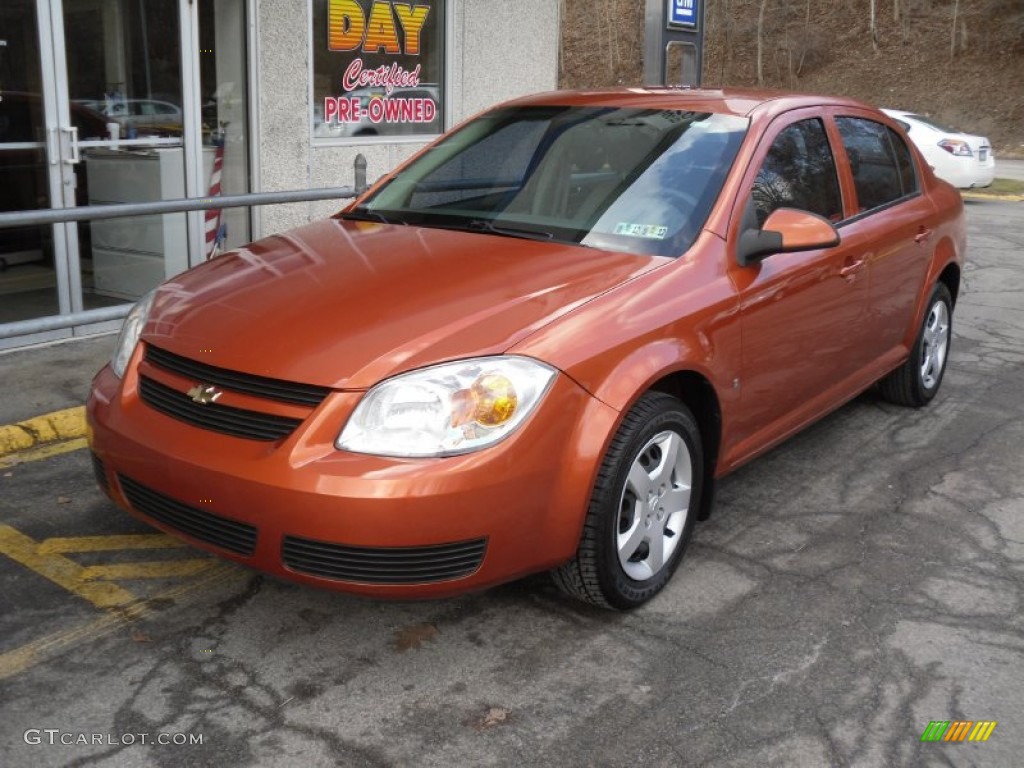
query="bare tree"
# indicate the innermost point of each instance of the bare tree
(874, 27)
(726, 16)
(760, 42)
(952, 36)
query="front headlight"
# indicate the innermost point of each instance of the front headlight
(130, 332)
(447, 409)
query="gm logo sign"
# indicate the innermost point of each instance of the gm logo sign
(682, 13)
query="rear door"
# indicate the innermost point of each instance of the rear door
(891, 223)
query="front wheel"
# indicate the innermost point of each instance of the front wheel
(642, 509)
(916, 381)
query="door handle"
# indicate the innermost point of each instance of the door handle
(922, 235)
(73, 143)
(853, 268)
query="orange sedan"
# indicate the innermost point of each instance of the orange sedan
(536, 345)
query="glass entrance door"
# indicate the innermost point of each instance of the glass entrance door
(29, 256)
(115, 101)
(123, 96)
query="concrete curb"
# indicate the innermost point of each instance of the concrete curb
(50, 427)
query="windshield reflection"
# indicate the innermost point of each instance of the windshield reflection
(635, 180)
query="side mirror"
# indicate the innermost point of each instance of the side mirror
(785, 230)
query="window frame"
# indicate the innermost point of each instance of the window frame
(736, 218)
(890, 124)
(823, 121)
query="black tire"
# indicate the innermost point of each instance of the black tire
(916, 381)
(597, 574)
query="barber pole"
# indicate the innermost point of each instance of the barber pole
(215, 231)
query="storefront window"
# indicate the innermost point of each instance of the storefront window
(378, 68)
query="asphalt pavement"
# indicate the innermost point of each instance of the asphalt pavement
(1009, 169)
(853, 586)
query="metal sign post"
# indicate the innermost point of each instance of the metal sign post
(673, 42)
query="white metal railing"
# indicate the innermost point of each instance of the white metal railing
(13, 219)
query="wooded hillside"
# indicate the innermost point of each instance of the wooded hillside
(959, 61)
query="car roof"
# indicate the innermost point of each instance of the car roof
(734, 101)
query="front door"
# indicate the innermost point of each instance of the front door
(804, 315)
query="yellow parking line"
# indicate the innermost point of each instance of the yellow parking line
(19, 659)
(59, 425)
(160, 570)
(104, 543)
(61, 571)
(42, 452)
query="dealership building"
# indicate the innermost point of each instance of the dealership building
(140, 101)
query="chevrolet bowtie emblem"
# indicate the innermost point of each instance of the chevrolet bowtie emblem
(204, 394)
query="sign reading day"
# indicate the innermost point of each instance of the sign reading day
(381, 30)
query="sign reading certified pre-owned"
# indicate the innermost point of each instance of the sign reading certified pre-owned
(682, 13)
(377, 67)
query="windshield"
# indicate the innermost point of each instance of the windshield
(635, 180)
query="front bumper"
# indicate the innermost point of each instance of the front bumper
(300, 509)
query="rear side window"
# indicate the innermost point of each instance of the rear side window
(799, 172)
(905, 162)
(883, 169)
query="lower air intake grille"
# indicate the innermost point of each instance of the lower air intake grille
(383, 565)
(99, 472)
(231, 535)
(236, 422)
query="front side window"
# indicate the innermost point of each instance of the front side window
(378, 68)
(799, 172)
(883, 170)
(634, 180)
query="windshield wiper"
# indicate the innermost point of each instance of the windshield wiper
(483, 225)
(463, 225)
(487, 225)
(364, 214)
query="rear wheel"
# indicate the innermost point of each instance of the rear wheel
(916, 381)
(642, 509)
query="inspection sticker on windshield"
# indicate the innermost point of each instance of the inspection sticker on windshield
(650, 231)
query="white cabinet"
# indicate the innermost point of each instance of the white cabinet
(132, 255)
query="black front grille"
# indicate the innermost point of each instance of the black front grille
(231, 535)
(383, 565)
(245, 383)
(99, 472)
(236, 422)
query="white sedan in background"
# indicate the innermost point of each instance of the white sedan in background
(965, 161)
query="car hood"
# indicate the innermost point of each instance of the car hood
(346, 304)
